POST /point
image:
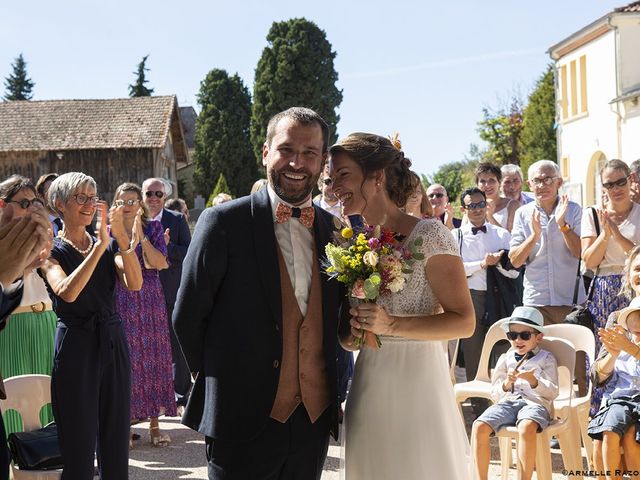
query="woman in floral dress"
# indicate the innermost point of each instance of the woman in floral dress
(144, 318)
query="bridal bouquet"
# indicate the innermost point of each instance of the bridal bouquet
(372, 263)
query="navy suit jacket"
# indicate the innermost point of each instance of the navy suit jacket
(179, 240)
(228, 318)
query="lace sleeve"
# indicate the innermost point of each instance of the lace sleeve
(436, 239)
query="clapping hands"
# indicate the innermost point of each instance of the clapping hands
(615, 340)
(24, 242)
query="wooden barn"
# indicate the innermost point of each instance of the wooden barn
(114, 141)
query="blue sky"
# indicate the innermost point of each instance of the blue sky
(422, 68)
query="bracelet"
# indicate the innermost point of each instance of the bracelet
(131, 249)
(565, 228)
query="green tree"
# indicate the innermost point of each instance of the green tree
(502, 130)
(221, 187)
(18, 85)
(539, 132)
(139, 89)
(222, 144)
(295, 69)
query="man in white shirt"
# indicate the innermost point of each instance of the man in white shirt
(482, 245)
(327, 200)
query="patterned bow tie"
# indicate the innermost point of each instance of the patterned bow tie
(285, 212)
(482, 229)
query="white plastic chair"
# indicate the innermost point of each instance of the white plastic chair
(27, 394)
(583, 340)
(560, 427)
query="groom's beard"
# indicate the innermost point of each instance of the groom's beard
(299, 195)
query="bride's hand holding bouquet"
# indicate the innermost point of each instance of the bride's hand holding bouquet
(371, 263)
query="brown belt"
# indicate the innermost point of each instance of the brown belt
(39, 307)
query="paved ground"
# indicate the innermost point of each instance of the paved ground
(185, 459)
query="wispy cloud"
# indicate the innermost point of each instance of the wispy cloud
(450, 62)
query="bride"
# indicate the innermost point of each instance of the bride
(401, 418)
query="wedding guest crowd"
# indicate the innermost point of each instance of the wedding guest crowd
(91, 302)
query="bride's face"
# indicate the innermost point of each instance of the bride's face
(349, 184)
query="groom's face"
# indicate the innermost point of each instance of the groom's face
(294, 160)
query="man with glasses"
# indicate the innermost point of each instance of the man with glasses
(177, 237)
(482, 245)
(442, 209)
(327, 200)
(546, 237)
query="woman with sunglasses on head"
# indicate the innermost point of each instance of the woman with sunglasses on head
(26, 344)
(500, 210)
(90, 384)
(143, 315)
(606, 250)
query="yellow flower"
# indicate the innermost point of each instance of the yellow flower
(347, 232)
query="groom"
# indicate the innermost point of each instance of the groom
(257, 319)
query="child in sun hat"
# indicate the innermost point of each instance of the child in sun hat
(524, 385)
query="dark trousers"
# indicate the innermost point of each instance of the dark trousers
(181, 373)
(294, 450)
(472, 347)
(4, 452)
(91, 396)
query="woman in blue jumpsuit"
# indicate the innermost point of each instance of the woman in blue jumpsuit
(90, 383)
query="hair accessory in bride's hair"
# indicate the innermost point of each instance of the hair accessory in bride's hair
(395, 140)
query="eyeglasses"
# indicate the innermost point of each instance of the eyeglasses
(327, 181)
(523, 335)
(473, 206)
(435, 195)
(151, 193)
(24, 203)
(128, 203)
(81, 199)
(539, 182)
(621, 182)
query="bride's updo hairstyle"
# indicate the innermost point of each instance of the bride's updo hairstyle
(373, 153)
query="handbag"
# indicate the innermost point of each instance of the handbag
(37, 449)
(580, 314)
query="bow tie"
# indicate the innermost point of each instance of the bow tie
(519, 357)
(285, 212)
(482, 229)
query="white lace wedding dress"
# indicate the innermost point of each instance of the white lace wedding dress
(401, 418)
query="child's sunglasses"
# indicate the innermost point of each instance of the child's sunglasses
(523, 335)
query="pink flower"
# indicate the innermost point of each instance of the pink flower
(357, 291)
(374, 243)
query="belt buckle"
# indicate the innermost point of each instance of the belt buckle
(35, 306)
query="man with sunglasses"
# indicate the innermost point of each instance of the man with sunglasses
(482, 245)
(178, 237)
(524, 385)
(442, 209)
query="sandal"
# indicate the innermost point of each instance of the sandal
(158, 440)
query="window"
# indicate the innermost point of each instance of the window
(573, 88)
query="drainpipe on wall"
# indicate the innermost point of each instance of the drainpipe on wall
(616, 108)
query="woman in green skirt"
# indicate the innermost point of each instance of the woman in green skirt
(26, 344)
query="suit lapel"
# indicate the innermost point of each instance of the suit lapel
(264, 238)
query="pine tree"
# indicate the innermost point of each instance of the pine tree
(222, 135)
(139, 89)
(221, 187)
(539, 133)
(18, 85)
(295, 69)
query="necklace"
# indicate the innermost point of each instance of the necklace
(63, 237)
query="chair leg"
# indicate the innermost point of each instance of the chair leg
(506, 456)
(583, 421)
(543, 457)
(570, 449)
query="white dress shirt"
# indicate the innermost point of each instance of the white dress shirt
(335, 210)
(158, 218)
(475, 247)
(296, 244)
